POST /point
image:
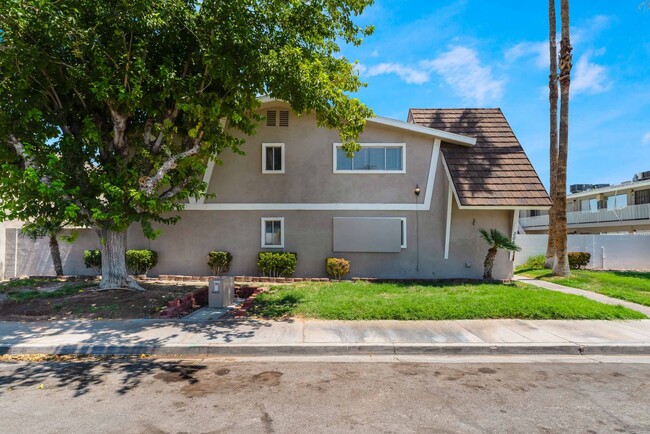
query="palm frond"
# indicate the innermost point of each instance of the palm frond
(499, 240)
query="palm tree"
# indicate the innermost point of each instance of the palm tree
(552, 96)
(51, 230)
(497, 241)
(561, 265)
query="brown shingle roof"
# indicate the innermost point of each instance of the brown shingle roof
(495, 171)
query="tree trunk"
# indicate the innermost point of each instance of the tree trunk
(552, 96)
(56, 255)
(561, 266)
(489, 263)
(114, 272)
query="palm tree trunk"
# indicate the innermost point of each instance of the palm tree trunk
(56, 255)
(561, 266)
(552, 96)
(489, 263)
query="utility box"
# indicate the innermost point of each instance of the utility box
(221, 291)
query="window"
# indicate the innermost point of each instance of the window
(272, 157)
(371, 158)
(617, 202)
(641, 197)
(588, 205)
(273, 232)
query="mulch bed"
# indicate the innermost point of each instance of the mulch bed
(87, 303)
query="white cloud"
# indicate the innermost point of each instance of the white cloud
(589, 78)
(406, 73)
(461, 69)
(537, 50)
(646, 138)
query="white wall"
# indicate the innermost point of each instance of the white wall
(615, 252)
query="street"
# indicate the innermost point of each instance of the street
(368, 395)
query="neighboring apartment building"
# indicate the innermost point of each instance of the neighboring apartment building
(296, 190)
(600, 208)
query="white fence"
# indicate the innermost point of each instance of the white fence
(614, 252)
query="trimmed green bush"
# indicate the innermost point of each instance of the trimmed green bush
(141, 261)
(533, 263)
(337, 267)
(137, 261)
(219, 262)
(93, 259)
(277, 264)
(578, 260)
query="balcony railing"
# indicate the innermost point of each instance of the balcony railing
(632, 212)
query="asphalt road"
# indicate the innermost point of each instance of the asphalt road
(211, 396)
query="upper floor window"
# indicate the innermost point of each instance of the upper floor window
(616, 202)
(371, 158)
(272, 157)
(589, 205)
(641, 197)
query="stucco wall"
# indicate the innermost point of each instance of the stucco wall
(308, 176)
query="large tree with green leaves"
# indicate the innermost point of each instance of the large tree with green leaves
(115, 107)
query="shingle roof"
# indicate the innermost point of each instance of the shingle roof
(495, 171)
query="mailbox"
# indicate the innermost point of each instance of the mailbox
(221, 291)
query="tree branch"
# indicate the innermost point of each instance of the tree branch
(119, 129)
(29, 163)
(149, 184)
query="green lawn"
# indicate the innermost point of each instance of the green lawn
(435, 301)
(626, 285)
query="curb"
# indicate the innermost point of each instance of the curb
(332, 349)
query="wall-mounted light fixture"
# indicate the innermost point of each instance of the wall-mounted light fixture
(417, 190)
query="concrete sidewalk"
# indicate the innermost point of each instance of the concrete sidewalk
(588, 294)
(315, 337)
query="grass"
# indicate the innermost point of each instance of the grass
(625, 285)
(435, 301)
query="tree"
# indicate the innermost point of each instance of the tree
(115, 108)
(497, 241)
(552, 96)
(561, 264)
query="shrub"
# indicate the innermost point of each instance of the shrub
(277, 264)
(219, 262)
(337, 267)
(93, 259)
(578, 259)
(533, 263)
(141, 261)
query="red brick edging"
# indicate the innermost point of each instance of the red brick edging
(183, 304)
(241, 311)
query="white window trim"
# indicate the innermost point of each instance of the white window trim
(263, 231)
(404, 225)
(371, 172)
(272, 145)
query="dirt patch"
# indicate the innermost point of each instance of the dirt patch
(81, 300)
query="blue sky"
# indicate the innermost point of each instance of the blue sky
(474, 54)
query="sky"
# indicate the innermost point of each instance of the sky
(472, 53)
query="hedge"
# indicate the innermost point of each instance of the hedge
(277, 264)
(137, 261)
(578, 260)
(337, 267)
(219, 262)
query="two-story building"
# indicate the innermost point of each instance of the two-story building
(409, 204)
(600, 208)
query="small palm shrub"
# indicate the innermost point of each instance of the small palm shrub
(578, 260)
(337, 267)
(497, 241)
(277, 264)
(219, 262)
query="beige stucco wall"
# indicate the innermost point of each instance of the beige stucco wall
(308, 176)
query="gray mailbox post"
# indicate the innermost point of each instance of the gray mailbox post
(221, 291)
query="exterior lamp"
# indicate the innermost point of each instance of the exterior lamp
(417, 190)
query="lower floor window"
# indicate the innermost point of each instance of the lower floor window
(273, 232)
